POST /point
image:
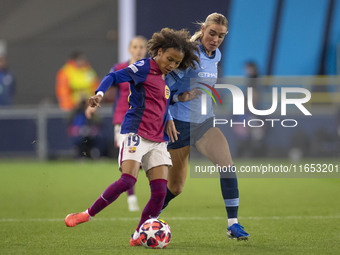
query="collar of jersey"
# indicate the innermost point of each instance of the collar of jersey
(205, 54)
(157, 67)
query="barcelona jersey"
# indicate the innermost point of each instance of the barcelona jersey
(148, 99)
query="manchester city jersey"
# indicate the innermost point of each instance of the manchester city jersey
(181, 81)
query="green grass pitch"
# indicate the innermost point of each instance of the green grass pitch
(283, 216)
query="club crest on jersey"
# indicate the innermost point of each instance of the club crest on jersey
(139, 63)
(132, 149)
(167, 92)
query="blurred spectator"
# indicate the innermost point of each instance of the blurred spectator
(299, 145)
(75, 80)
(137, 50)
(251, 73)
(250, 140)
(85, 133)
(7, 83)
(323, 142)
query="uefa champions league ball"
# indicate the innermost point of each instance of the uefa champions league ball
(155, 233)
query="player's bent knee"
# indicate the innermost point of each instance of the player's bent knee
(176, 189)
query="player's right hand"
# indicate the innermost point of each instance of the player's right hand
(94, 101)
(89, 111)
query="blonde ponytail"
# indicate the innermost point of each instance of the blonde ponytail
(198, 34)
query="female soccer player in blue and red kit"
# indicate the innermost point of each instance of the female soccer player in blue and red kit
(145, 142)
(197, 129)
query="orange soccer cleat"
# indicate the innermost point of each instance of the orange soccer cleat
(135, 242)
(74, 219)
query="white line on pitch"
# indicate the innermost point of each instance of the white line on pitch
(325, 217)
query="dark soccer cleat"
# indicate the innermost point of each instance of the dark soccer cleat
(237, 231)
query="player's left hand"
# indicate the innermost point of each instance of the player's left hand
(171, 130)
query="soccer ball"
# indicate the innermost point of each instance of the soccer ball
(155, 233)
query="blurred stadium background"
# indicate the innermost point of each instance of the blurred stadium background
(297, 41)
(293, 42)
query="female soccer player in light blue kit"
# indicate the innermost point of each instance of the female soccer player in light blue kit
(197, 129)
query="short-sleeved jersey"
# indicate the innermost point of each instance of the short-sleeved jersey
(121, 104)
(181, 81)
(148, 99)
